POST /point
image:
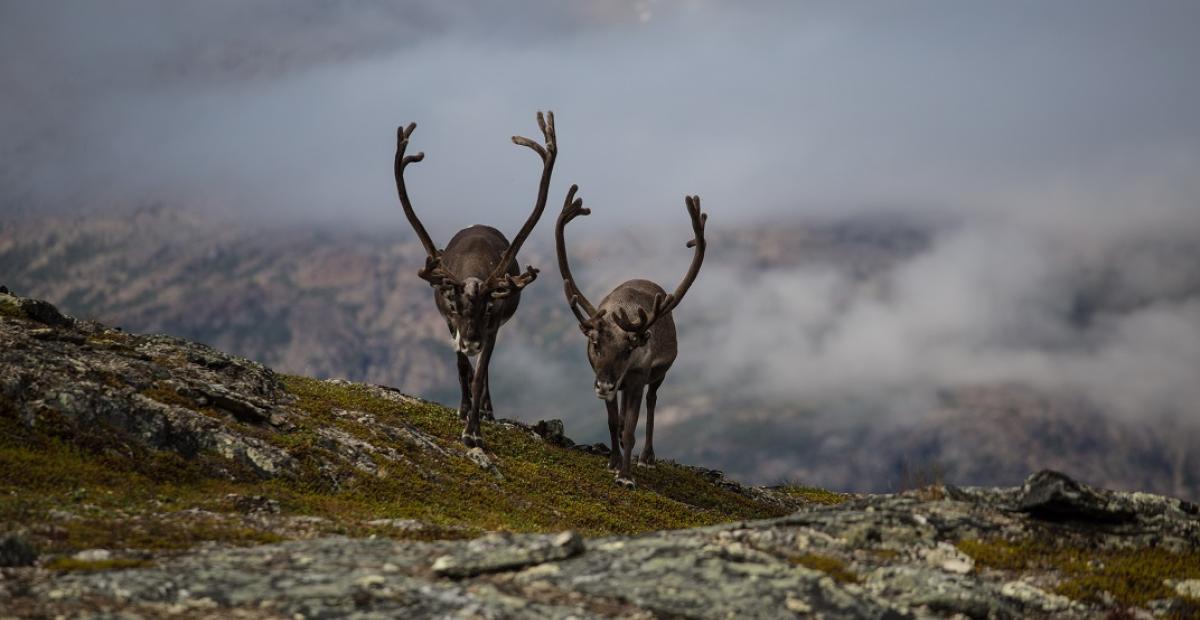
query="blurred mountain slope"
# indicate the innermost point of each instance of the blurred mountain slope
(346, 303)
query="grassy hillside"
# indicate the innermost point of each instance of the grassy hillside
(72, 487)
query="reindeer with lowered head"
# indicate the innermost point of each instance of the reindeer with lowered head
(628, 355)
(477, 284)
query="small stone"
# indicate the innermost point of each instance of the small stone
(553, 432)
(1188, 588)
(16, 551)
(1054, 496)
(798, 606)
(408, 525)
(370, 581)
(501, 552)
(1033, 596)
(480, 458)
(948, 558)
(93, 555)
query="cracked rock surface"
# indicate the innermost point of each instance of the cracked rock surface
(896, 553)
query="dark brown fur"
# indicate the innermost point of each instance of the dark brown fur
(477, 284)
(629, 356)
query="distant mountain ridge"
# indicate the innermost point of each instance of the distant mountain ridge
(341, 303)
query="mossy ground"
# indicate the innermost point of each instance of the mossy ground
(831, 566)
(543, 487)
(75, 489)
(1132, 577)
(813, 495)
(72, 564)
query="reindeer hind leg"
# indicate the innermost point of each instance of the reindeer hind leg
(647, 458)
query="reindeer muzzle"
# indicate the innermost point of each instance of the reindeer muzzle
(605, 390)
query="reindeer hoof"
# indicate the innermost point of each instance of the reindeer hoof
(462, 415)
(614, 467)
(472, 440)
(626, 482)
(487, 415)
(647, 460)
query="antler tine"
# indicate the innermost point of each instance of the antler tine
(402, 162)
(510, 283)
(664, 303)
(435, 274)
(572, 208)
(587, 324)
(699, 219)
(548, 154)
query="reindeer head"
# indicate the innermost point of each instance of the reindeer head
(612, 351)
(475, 307)
(617, 342)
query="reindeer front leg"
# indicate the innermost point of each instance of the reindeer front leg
(485, 409)
(472, 436)
(465, 374)
(631, 398)
(614, 431)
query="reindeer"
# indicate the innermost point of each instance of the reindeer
(477, 284)
(628, 354)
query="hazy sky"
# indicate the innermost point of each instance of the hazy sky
(1055, 144)
(290, 107)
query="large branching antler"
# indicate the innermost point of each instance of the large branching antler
(583, 309)
(503, 283)
(666, 303)
(402, 162)
(433, 271)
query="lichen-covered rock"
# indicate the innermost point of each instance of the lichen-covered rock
(1053, 495)
(500, 552)
(880, 556)
(1053, 548)
(553, 432)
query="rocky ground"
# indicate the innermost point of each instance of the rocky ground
(966, 553)
(147, 476)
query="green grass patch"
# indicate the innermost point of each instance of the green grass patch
(74, 565)
(543, 487)
(831, 566)
(160, 532)
(1131, 576)
(10, 308)
(80, 488)
(812, 495)
(167, 396)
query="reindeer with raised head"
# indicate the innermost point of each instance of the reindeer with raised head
(477, 284)
(628, 355)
